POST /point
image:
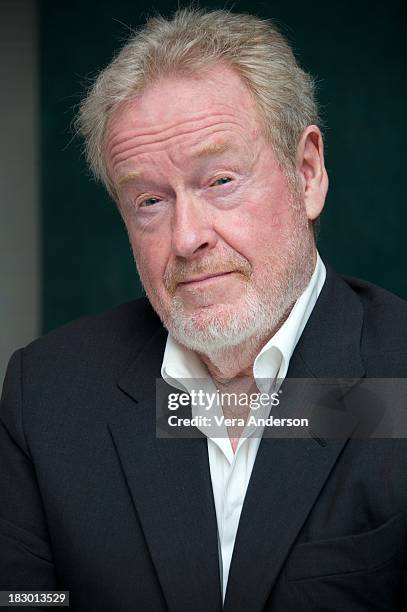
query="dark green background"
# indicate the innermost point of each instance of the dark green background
(357, 52)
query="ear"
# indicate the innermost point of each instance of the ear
(312, 171)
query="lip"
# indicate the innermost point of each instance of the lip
(204, 278)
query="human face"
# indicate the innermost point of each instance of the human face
(222, 245)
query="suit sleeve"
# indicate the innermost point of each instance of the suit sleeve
(25, 555)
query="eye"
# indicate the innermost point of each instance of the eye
(149, 202)
(222, 180)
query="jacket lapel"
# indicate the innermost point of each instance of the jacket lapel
(169, 481)
(289, 474)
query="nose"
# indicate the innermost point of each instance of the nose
(192, 229)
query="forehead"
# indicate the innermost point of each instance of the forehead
(181, 107)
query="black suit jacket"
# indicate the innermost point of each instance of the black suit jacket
(92, 502)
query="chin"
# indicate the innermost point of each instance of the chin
(218, 327)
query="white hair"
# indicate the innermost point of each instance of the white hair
(188, 44)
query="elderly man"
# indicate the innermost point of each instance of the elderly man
(205, 132)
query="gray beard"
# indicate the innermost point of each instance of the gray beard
(253, 320)
(259, 314)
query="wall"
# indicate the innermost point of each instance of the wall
(19, 158)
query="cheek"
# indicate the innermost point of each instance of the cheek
(151, 256)
(260, 227)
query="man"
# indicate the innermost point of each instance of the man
(205, 132)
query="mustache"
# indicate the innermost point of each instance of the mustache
(180, 270)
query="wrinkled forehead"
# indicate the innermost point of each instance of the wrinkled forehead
(175, 101)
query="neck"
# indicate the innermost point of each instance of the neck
(232, 362)
(237, 361)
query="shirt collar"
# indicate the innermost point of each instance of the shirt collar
(274, 358)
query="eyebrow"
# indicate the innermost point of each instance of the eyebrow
(216, 148)
(130, 176)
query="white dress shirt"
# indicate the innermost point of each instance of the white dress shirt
(231, 471)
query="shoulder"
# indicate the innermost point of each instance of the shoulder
(73, 370)
(384, 330)
(110, 337)
(385, 314)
